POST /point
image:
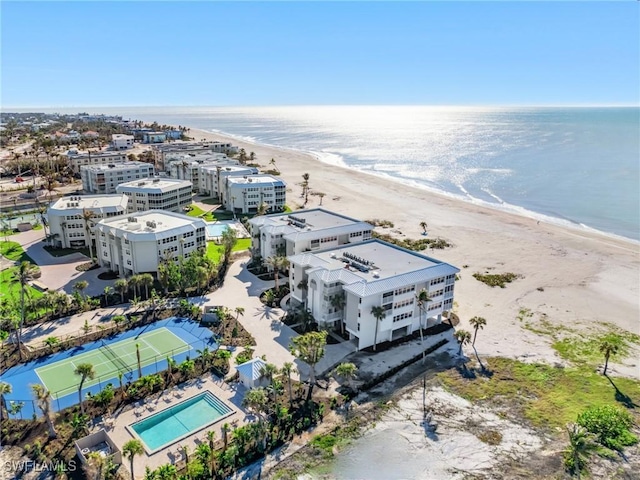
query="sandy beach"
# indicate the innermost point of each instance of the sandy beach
(568, 277)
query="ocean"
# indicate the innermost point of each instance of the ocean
(575, 166)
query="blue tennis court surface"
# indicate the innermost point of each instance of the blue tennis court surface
(176, 338)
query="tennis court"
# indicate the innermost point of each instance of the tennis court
(109, 360)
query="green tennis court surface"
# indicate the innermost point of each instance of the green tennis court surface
(109, 359)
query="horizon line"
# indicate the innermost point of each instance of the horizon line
(7, 109)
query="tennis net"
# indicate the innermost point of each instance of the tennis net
(114, 358)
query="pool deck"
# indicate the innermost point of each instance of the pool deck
(116, 425)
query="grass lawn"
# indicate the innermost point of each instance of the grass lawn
(13, 251)
(547, 396)
(10, 287)
(214, 251)
(199, 213)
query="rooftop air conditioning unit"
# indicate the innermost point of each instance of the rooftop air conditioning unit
(376, 274)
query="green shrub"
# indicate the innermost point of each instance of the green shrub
(610, 425)
(496, 280)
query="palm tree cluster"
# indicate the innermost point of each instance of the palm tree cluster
(194, 273)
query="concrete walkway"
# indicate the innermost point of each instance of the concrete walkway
(59, 273)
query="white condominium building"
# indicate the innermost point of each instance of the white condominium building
(245, 194)
(120, 141)
(212, 176)
(105, 178)
(138, 242)
(188, 168)
(305, 230)
(94, 158)
(367, 275)
(168, 194)
(163, 151)
(67, 226)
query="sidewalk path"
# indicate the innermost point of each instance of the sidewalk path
(59, 273)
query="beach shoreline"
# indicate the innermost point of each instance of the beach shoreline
(567, 276)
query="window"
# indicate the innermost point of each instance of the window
(402, 316)
(358, 326)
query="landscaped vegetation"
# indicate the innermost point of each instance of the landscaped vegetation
(496, 279)
(416, 245)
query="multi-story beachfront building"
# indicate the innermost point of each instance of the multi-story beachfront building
(105, 178)
(138, 242)
(77, 160)
(188, 167)
(305, 230)
(367, 275)
(169, 194)
(67, 227)
(120, 141)
(245, 194)
(154, 137)
(212, 176)
(163, 151)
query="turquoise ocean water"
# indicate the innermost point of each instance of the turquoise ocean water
(575, 166)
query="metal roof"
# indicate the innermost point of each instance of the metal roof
(251, 369)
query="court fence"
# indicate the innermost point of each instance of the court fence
(125, 374)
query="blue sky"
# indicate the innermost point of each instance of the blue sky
(287, 53)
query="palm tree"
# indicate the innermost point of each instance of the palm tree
(463, 337)
(581, 444)
(608, 348)
(26, 272)
(84, 371)
(133, 283)
(269, 371)
(130, 450)
(256, 400)
(309, 348)
(225, 435)
(211, 436)
(423, 225)
(43, 400)
(305, 187)
(139, 361)
(338, 301)
(347, 371)
(379, 314)
(108, 291)
(477, 323)
(422, 299)
(87, 216)
(239, 313)
(80, 286)
(5, 389)
(287, 369)
(273, 162)
(121, 287)
(277, 263)
(145, 280)
(321, 195)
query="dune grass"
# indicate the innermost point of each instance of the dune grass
(582, 346)
(546, 396)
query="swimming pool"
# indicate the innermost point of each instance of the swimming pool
(177, 422)
(216, 229)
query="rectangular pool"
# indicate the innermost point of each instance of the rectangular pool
(216, 229)
(179, 421)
